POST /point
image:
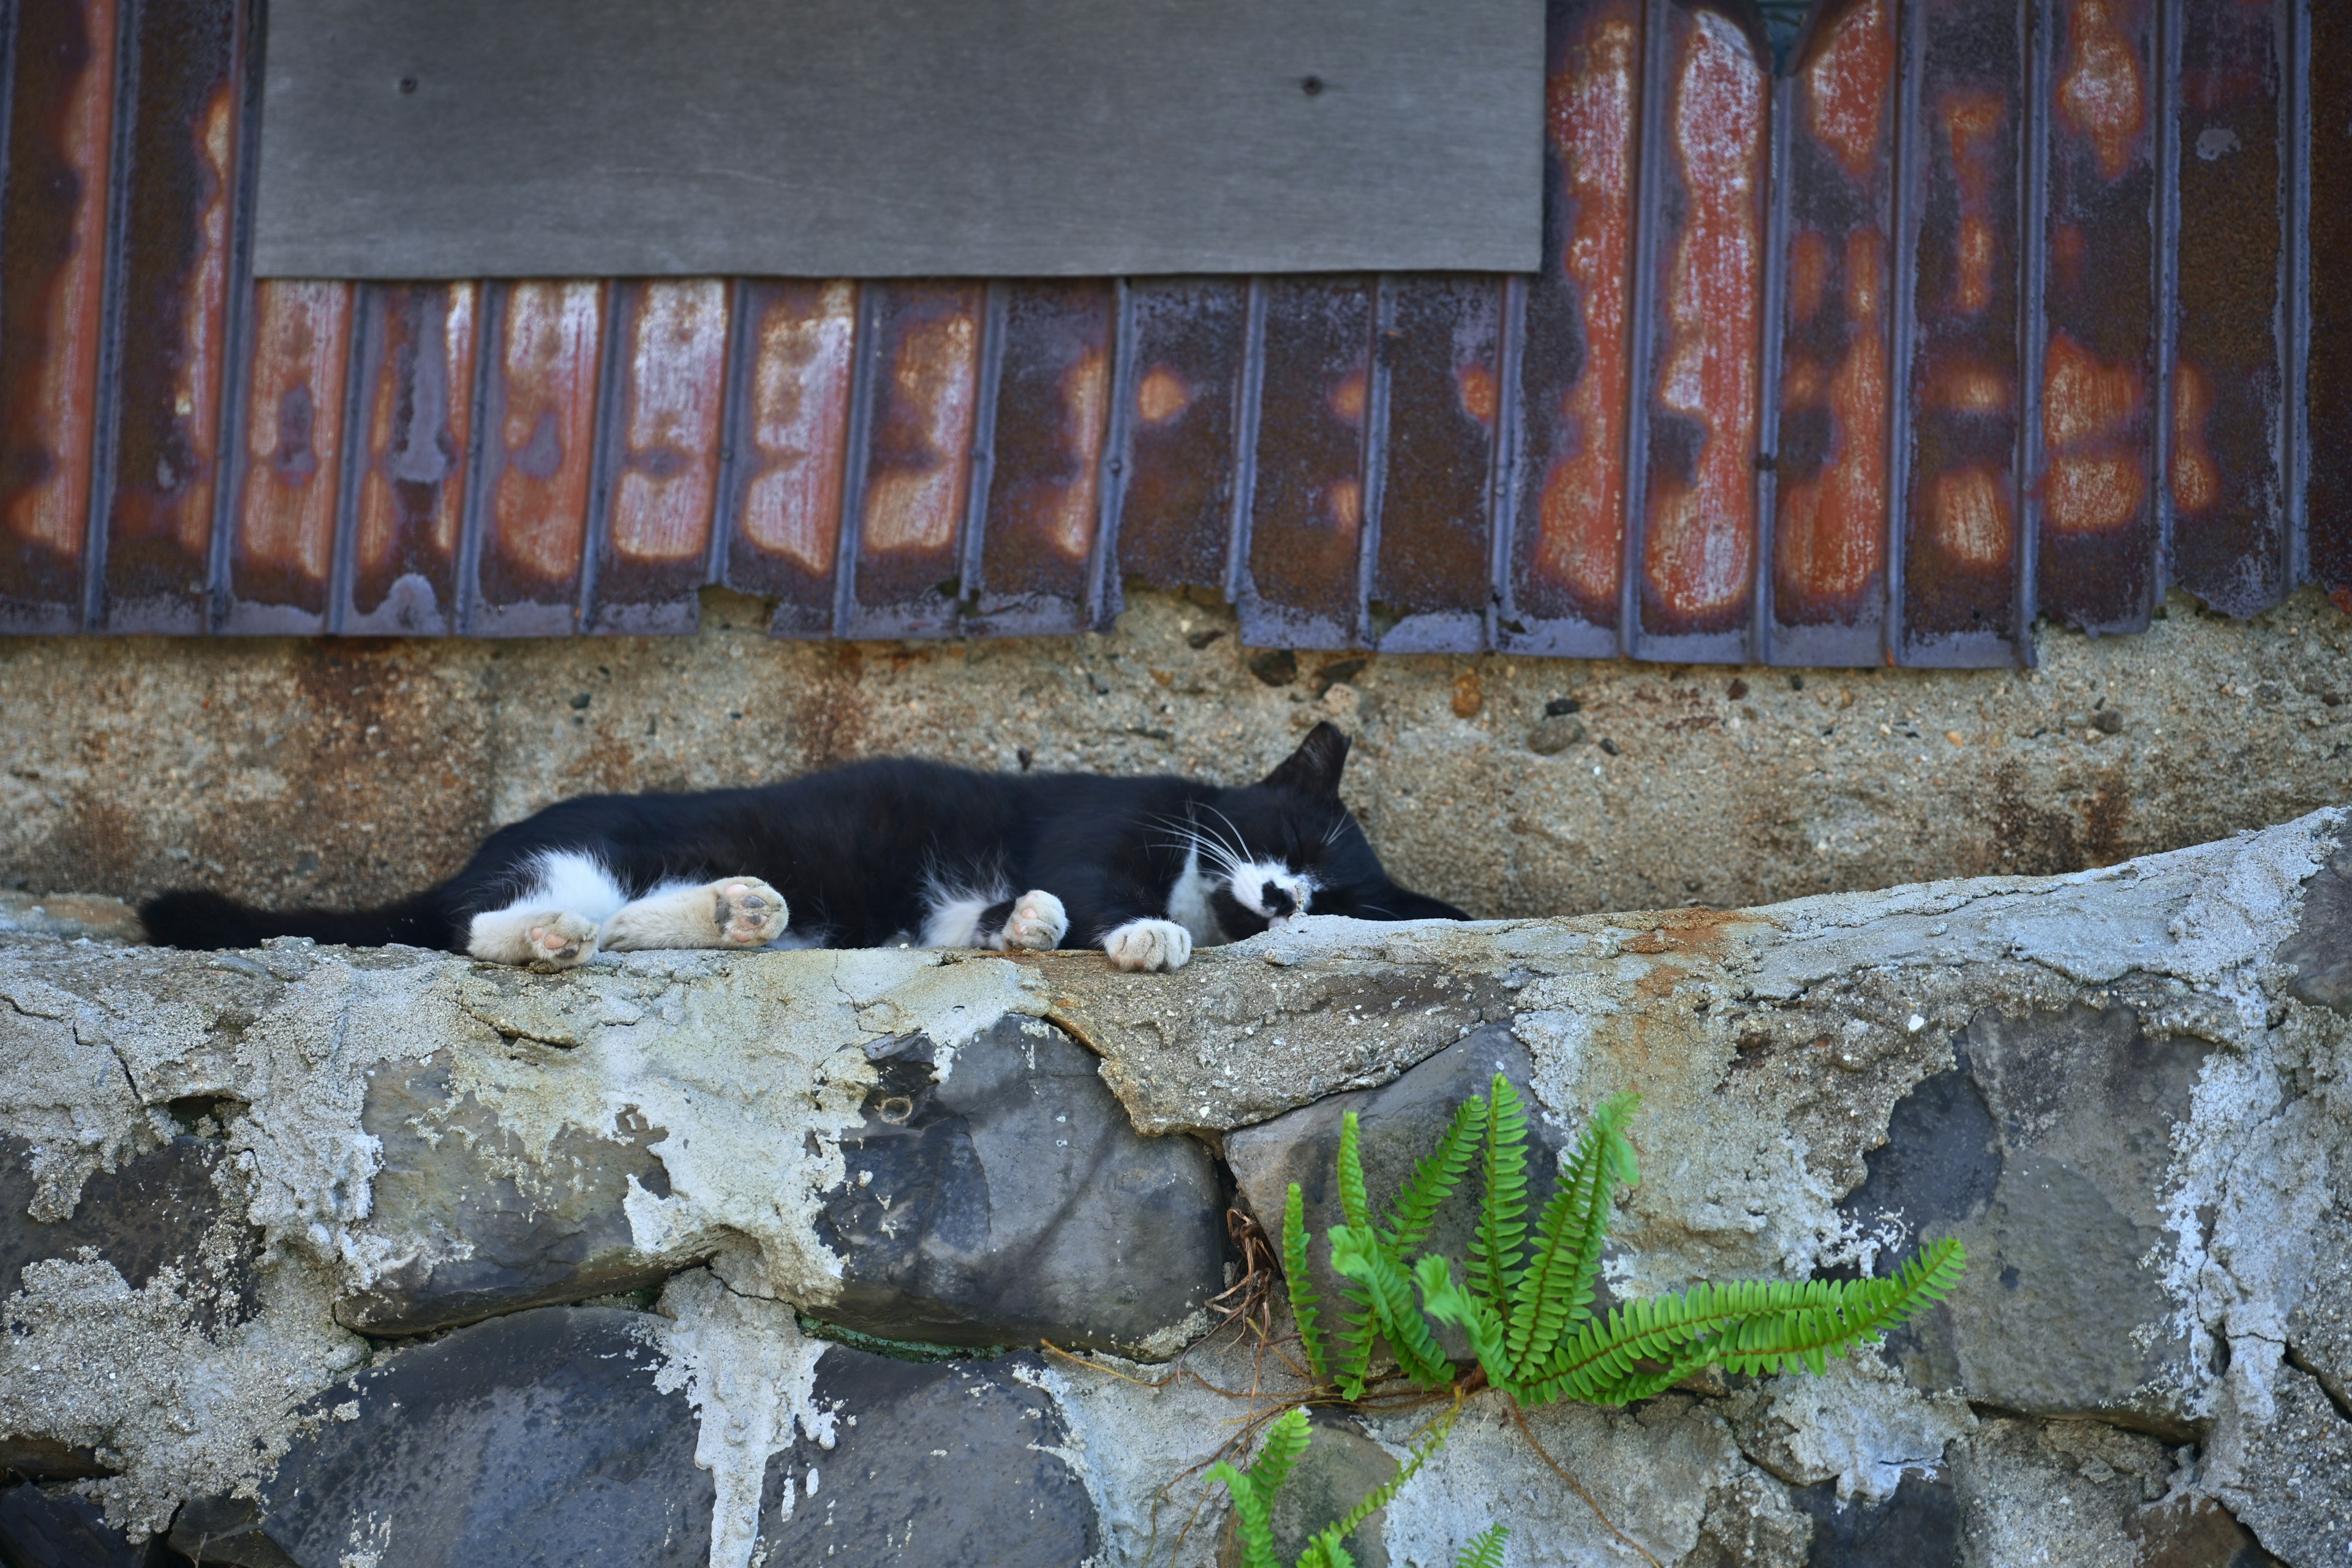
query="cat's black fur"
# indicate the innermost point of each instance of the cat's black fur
(856, 849)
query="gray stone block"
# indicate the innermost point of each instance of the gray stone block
(2321, 947)
(535, 1437)
(2046, 1151)
(486, 1226)
(162, 1209)
(57, 1526)
(2295, 1475)
(1919, 1527)
(1014, 1202)
(935, 1465)
(1399, 1125)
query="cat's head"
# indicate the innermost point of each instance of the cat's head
(1285, 846)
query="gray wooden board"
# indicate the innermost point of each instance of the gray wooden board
(893, 138)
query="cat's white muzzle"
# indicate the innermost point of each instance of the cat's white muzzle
(1275, 893)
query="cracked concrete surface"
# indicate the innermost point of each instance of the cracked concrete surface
(1774, 1047)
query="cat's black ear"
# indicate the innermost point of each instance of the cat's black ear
(1312, 770)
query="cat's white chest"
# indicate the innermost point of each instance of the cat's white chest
(1189, 906)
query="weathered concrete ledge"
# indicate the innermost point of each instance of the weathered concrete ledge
(282, 1230)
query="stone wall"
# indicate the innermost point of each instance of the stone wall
(343, 1258)
(344, 770)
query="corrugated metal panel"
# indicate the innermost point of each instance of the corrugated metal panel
(418, 346)
(1829, 480)
(170, 312)
(1985, 310)
(1697, 335)
(2230, 544)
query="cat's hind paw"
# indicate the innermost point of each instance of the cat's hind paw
(749, 913)
(1149, 945)
(1037, 924)
(559, 941)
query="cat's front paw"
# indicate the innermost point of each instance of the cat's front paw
(1037, 924)
(749, 913)
(1148, 945)
(559, 941)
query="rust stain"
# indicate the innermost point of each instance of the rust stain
(1581, 536)
(798, 433)
(2195, 477)
(1469, 695)
(1085, 399)
(1345, 504)
(2097, 480)
(195, 399)
(1970, 519)
(294, 424)
(1479, 392)
(1849, 82)
(923, 446)
(1702, 530)
(677, 382)
(1809, 274)
(1347, 398)
(1830, 525)
(1973, 122)
(51, 418)
(419, 425)
(2100, 93)
(1970, 386)
(1161, 396)
(555, 331)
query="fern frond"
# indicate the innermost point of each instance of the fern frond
(1485, 1548)
(1355, 1207)
(1326, 1552)
(1556, 1293)
(1450, 1304)
(1253, 1489)
(1750, 1326)
(1304, 1299)
(1357, 1253)
(1434, 1179)
(1495, 1247)
(1356, 1328)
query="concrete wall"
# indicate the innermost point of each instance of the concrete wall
(356, 770)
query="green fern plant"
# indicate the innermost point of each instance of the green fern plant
(1525, 1304)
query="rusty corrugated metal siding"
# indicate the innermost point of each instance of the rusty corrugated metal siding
(1985, 310)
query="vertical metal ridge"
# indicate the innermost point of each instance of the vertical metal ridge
(343, 564)
(1246, 395)
(236, 330)
(1106, 596)
(2167, 249)
(1503, 473)
(2294, 466)
(1911, 45)
(2038, 17)
(979, 455)
(1641, 322)
(474, 517)
(1778, 172)
(1372, 463)
(620, 302)
(106, 411)
(863, 354)
(735, 396)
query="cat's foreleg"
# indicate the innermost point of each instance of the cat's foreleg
(1148, 944)
(1035, 922)
(732, 912)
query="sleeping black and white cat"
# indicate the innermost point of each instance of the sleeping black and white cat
(880, 853)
